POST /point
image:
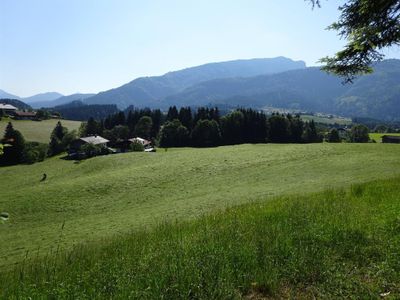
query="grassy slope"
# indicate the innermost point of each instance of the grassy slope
(378, 136)
(337, 244)
(108, 195)
(38, 131)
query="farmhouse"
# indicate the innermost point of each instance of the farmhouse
(391, 139)
(24, 115)
(94, 140)
(7, 108)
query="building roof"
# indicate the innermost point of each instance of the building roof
(95, 140)
(7, 106)
(393, 137)
(140, 140)
(25, 113)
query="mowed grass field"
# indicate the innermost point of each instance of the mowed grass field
(378, 136)
(111, 195)
(37, 131)
(336, 244)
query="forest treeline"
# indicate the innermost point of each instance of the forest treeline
(204, 127)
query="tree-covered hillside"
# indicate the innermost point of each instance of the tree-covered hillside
(148, 91)
(376, 95)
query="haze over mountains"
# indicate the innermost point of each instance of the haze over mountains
(61, 100)
(275, 82)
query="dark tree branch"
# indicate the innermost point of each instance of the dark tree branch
(369, 26)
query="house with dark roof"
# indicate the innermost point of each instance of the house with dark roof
(24, 115)
(391, 139)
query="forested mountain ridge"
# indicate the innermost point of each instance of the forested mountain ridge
(258, 83)
(148, 91)
(376, 95)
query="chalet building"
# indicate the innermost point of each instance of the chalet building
(391, 139)
(8, 108)
(94, 140)
(24, 115)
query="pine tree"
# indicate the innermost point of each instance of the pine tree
(310, 133)
(143, 127)
(333, 136)
(172, 113)
(185, 116)
(13, 153)
(92, 127)
(56, 145)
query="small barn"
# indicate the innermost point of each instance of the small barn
(24, 115)
(391, 139)
(8, 108)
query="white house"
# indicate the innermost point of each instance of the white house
(8, 108)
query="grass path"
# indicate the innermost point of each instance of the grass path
(114, 194)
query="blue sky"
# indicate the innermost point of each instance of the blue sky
(73, 46)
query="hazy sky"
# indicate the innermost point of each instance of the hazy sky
(73, 46)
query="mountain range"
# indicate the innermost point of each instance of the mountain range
(150, 91)
(270, 82)
(376, 95)
(49, 99)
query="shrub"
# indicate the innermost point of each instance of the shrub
(333, 136)
(34, 152)
(137, 147)
(359, 134)
(91, 150)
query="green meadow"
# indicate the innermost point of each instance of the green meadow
(341, 243)
(117, 194)
(37, 131)
(378, 136)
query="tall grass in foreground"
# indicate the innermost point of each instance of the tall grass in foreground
(339, 243)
